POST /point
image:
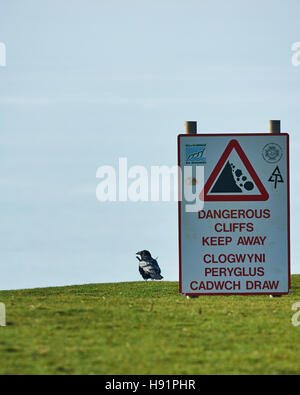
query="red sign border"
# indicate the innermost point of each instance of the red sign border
(288, 213)
(234, 144)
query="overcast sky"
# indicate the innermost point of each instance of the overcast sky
(89, 81)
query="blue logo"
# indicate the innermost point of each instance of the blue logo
(195, 153)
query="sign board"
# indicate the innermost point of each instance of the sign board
(237, 239)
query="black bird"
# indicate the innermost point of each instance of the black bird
(148, 266)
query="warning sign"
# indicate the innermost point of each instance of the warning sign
(237, 242)
(234, 178)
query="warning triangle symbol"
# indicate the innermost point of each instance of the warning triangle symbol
(234, 178)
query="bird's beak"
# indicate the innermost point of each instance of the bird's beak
(138, 253)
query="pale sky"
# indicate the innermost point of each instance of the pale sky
(89, 81)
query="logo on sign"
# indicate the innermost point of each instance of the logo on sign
(272, 153)
(276, 177)
(195, 153)
(234, 178)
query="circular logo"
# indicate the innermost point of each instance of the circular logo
(272, 153)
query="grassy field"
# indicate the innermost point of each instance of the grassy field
(147, 328)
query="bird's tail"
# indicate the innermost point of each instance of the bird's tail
(158, 277)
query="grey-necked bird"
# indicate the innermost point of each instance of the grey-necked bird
(148, 266)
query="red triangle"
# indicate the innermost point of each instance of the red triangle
(233, 144)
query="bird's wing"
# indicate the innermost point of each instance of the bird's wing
(147, 267)
(150, 267)
(155, 266)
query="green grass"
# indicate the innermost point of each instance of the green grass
(147, 328)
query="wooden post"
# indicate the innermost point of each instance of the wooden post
(275, 127)
(191, 127)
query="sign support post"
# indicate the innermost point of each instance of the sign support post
(275, 128)
(191, 128)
